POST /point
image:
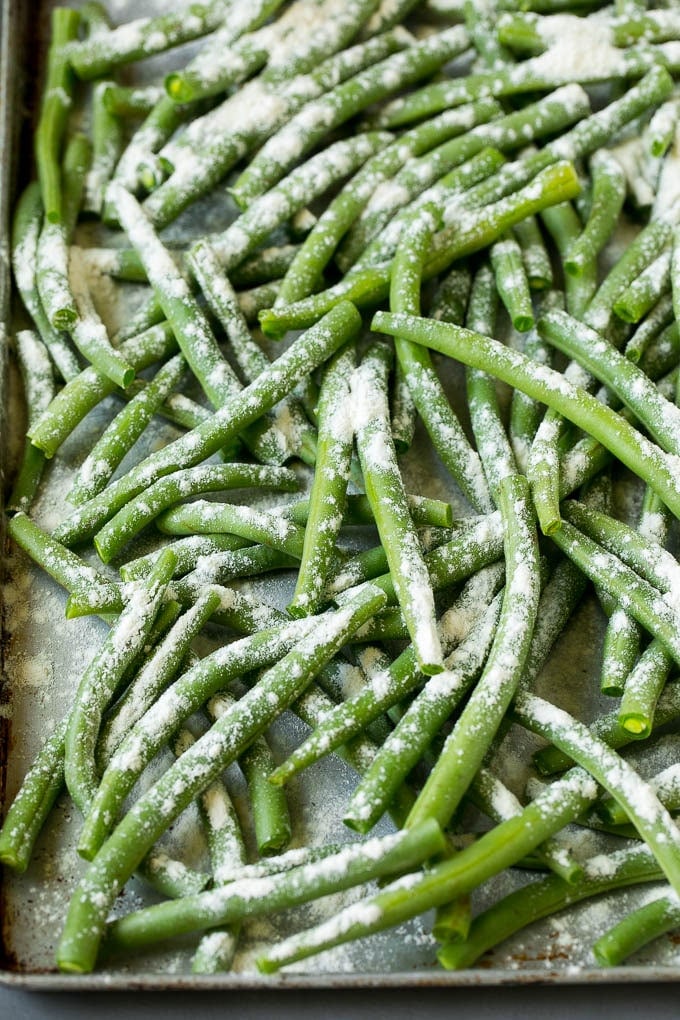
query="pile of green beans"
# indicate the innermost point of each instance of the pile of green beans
(470, 436)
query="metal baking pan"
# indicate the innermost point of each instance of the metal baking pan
(43, 656)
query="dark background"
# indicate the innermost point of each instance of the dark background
(528, 1003)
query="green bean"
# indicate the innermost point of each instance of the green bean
(414, 894)
(228, 54)
(305, 129)
(642, 689)
(534, 74)
(550, 759)
(54, 111)
(35, 366)
(264, 265)
(639, 800)
(675, 273)
(213, 144)
(388, 687)
(223, 567)
(329, 488)
(262, 526)
(123, 432)
(103, 674)
(154, 811)
(512, 282)
(464, 749)
(189, 324)
(302, 185)
(268, 802)
(448, 192)
(386, 16)
(652, 26)
(88, 332)
(472, 232)
(608, 193)
(288, 419)
(492, 442)
(549, 114)
(494, 798)
(305, 354)
(666, 785)
(64, 566)
(332, 30)
(473, 548)
(620, 651)
(432, 403)
(26, 226)
(305, 271)
(158, 670)
(640, 598)
(130, 100)
(451, 297)
(605, 425)
(662, 352)
(646, 246)
(385, 491)
(638, 928)
(84, 391)
(140, 164)
(53, 259)
(564, 225)
(174, 705)
(660, 131)
(658, 319)
(187, 553)
(30, 808)
(102, 53)
(660, 416)
(141, 510)
(356, 863)
(535, 255)
(543, 898)
(107, 142)
(646, 290)
(215, 952)
(525, 413)
(403, 412)
(421, 722)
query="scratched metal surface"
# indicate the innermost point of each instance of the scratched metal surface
(43, 656)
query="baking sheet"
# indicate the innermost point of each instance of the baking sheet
(43, 656)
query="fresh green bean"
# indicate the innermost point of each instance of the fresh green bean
(415, 894)
(545, 897)
(55, 106)
(26, 227)
(103, 674)
(305, 129)
(639, 800)
(123, 432)
(35, 366)
(153, 812)
(305, 354)
(53, 269)
(464, 749)
(355, 864)
(102, 53)
(64, 566)
(88, 388)
(141, 510)
(385, 491)
(645, 458)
